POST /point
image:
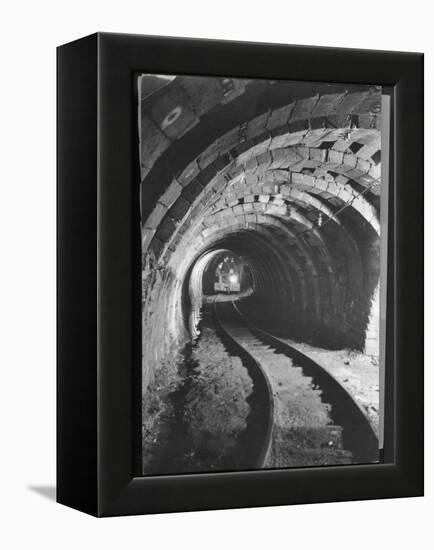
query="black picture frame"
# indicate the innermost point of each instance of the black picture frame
(98, 342)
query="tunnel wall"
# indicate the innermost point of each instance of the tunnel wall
(164, 327)
(294, 189)
(372, 340)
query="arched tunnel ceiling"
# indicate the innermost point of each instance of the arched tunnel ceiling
(284, 176)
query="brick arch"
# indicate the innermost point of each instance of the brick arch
(259, 241)
(276, 237)
(257, 173)
(260, 185)
(306, 117)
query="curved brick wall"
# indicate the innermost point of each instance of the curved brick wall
(293, 189)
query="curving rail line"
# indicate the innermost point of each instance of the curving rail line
(257, 439)
(265, 353)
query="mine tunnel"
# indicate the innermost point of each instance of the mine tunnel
(284, 181)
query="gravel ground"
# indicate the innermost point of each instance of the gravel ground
(303, 433)
(193, 419)
(357, 372)
(157, 412)
(216, 409)
(197, 408)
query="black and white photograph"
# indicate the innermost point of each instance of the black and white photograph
(263, 221)
(216, 228)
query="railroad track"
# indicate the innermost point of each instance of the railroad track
(304, 415)
(257, 438)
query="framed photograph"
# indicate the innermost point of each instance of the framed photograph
(240, 274)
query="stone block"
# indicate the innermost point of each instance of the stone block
(314, 137)
(367, 151)
(264, 198)
(261, 147)
(153, 142)
(363, 165)
(311, 164)
(209, 231)
(206, 175)
(240, 148)
(318, 123)
(354, 173)
(375, 171)
(297, 167)
(283, 158)
(366, 136)
(204, 93)
(147, 235)
(281, 176)
(303, 109)
(258, 207)
(350, 160)
(344, 194)
(327, 104)
(299, 127)
(341, 145)
(276, 210)
(296, 178)
(166, 229)
(222, 162)
(227, 141)
(219, 184)
(370, 104)
(257, 126)
(267, 188)
(250, 165)
(189, 172)
(192, 191)
(180, 208)
(343, 169)
(341, 179)
(320, 184)
(156, 246)
(279, 117)
(302, 152)
(251, 179)
(208, 156)
(335, 156)
(172, 114)
(346, 107)
(171, 194)
(318, 154)
(208, 221)
(264, 160)
(155, 216)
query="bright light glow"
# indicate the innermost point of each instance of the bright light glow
(233, 279)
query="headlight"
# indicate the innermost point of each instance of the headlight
(233, 279)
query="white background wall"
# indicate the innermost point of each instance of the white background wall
(30, 31)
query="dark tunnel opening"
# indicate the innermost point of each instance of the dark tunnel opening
(323, 297)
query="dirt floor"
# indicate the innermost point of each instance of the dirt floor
(216, 408)
(198, 407)
(303, 433)
(158, 411)
(358, 373)
(193, 422)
